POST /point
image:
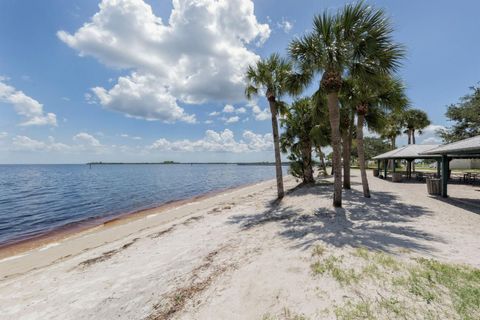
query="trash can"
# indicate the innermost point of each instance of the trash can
(396, 177)
(375, 172)
(434, 186)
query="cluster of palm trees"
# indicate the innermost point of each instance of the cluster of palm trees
(352, 57)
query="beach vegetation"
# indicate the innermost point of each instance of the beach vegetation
(405, 288)
(354, 42)
(298, 123)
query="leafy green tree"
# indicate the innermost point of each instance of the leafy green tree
(415, 120)
(392, 128)
(298, 124)
(466, 115)
(271, 76)
(373, 147)
(356, 41)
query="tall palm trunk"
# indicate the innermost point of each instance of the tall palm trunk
(361, 152)
(346, 160)
(393, 142)
(409, 133)
(307, 162)
(322, 160)
(334, 115)
(276, 145)
(413, 141)
(347, 151)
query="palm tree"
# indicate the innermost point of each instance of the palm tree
(298, 124)
(373, 99)
(271, 76)
(392, 128)
(415, 120)
(355, 41)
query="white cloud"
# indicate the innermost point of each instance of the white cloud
(285, 25)
(241, 110)
(231, 109)
(208, 122)
(218, 142)
(3, 134)
(138, 96)
(232, 119)
(228, 108)
(214, 113)
(201, 53)
(429, 135)
(87, 140)
(127, 136)
(261, 115)
(25, 106)
(25, 143)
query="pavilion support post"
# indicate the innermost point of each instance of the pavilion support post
(409, 169)
(445, 169)
(394, 162)
(439, 164)
(385, 168)
(378, 165)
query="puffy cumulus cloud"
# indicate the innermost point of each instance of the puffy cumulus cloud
(138, 96)
(3, 134)
(241, 110)
(228, 108)
(24, 143)
(201, 53)
(231, 109)
(25, 106)
(87, 140)
(260, 115)
(213, 141)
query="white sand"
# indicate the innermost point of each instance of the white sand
(234, 255)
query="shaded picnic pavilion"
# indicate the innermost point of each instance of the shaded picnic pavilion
(463, 149)
(410, 153)
(442, 154)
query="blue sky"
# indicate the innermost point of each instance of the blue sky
(73, 89)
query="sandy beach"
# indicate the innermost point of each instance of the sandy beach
(238, 255)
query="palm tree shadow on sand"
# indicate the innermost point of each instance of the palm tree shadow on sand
(377, 223)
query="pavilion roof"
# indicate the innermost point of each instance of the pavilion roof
(411, 151)
(462, 147)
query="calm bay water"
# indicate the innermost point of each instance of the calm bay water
(37, 199)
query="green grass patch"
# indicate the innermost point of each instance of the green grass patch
(405, 289)
(285, 315)
(462, 283)
(362, 253)
(355, 311)
(333, 266)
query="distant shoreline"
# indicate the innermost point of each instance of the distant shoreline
(188, 163)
